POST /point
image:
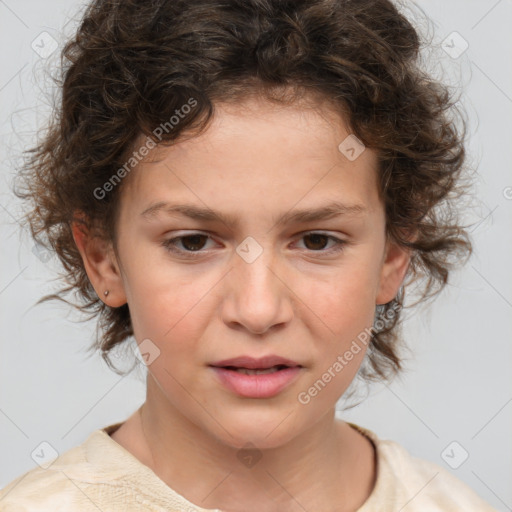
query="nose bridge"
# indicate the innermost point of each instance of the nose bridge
(254, 267)
(258, 296)
(255, 263)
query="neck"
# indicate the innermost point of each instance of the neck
(322, 468)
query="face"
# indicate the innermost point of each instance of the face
(257, 280)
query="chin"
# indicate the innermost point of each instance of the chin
(265, 430)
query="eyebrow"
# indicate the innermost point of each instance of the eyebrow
(328, 211)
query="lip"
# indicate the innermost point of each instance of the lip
(261, 363)
(257, 386)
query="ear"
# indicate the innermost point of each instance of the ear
(393, 270)
(100, 264)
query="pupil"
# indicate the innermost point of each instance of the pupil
(195, 241)
(316, 238)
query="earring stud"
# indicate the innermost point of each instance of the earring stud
(106, 292)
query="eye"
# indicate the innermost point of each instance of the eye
(192, 244)
(318, 241)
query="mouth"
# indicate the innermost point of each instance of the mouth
(270, 362)
(253, 378)
(256, 371)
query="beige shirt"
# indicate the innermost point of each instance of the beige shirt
(101, 475)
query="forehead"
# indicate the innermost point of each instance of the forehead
(260, 155)
(268, 131)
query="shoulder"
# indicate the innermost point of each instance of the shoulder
(97, 475)
(49, 487)
(403, 479)
(69, 482)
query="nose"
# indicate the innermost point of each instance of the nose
(257, 297)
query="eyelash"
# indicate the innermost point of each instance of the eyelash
(170, 246)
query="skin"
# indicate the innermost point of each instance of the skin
(297, 300)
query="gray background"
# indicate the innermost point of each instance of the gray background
(458, 384)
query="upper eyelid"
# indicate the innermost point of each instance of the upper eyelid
(299, 234)
(339, 239)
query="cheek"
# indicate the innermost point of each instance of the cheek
(158, 293)
(346, 308)
(170, 310)
(344, 302)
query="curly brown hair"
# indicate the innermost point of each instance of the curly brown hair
(132, 64)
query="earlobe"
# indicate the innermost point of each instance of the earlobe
(100, 264)
(393, 271)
